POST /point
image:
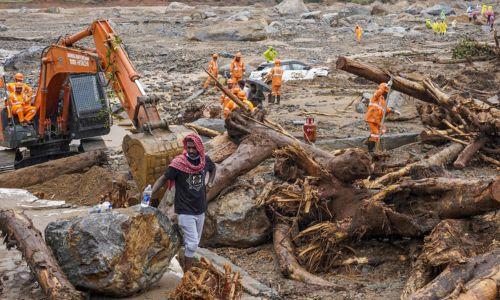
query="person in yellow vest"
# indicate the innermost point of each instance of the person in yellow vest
(213, 68)
(358, 31)
(237, 68)
(276, 77)
(243, 97)
(20, 104)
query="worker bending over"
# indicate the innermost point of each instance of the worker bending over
(20, 104)
(224, 99)
(237, 68)
(231, 105)
(276, 78)
(213, 68)
(377, 110)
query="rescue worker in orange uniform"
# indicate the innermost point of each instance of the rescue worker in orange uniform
(237, 68)
(19, 78)
(20, 104)
(223, 98)
(358, 31)
(377, 109)
(231, 105)
(213, 68)
(276, 78)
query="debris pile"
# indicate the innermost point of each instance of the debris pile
(204, 281)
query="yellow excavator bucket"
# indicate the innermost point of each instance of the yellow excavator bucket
(149, 155)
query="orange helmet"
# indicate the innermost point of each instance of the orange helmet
(238, 54)
(19, 77)
(215, 55)
(277, 62)
(242, 95)
(236, 90)
(383, 87)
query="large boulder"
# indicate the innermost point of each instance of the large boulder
(234, 220)
(177, 6)
(23, 58)
(253, 30)
(291, 7)
(436, 10)
(117, 253)
(3, 27)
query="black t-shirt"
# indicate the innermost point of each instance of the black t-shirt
(190, 191)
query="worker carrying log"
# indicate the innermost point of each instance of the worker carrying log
(276, 78)
(224, 99)
(213, 68)
(237, 68)
(375, 115)
(230, 105)
(187, 173)
(19, 103)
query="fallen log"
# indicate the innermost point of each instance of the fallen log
(439, 159)
(204, 131)
(289, 266)
(18, 231)
(479, 276)
(40, 173)
(463, 159)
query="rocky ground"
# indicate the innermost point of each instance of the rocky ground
(170, 45)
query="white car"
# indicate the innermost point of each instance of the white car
(292, 70)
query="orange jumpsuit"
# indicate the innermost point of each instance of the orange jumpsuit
(237, 69)
(11, 87)
(276, 75)
(230, 105)
(20, 105)
(213, 68)
(375, 114)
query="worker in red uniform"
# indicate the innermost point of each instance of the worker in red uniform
(237, 68)
(377, 110)
(276, 78)
(20, 104)
(213, 68)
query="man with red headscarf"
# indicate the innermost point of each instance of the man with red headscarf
(188, 172)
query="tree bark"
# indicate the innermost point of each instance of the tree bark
(289, 266)
(18, 231)
(479, 276)
(40, 173)
(464, 158)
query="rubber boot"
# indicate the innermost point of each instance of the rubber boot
(271, 99)
(370, 145)
(278, 99)
(188, 263)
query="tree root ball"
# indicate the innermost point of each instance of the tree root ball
(116, 253)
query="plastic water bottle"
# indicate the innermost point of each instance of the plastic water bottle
(146, 196)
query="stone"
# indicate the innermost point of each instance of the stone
(198, 16)
(329, 17)
(493, 100)
(378, 10)
(436, 10)
(274, 28)
(244, 15)
(234, 220)
(311, 15)
(252, 30)
(291, 7)
(214, 124)
(396, 31)
(53, 10)
(210, 14)
(23, 57)
(413, 9)
(117, 253)
(177, 6)
(3, 27)
(354, 11)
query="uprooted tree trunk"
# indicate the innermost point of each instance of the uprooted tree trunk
(451, 242)
(40, 173)
(18, 231)
(260, 142)
(286, 259)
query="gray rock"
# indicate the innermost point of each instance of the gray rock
(210, 14)
(198, 16)
(53, 10)
(493, 100)
(235, 220)
(274, 28)
(311, 15)
(24, 10)
(396, 31)
(177, 6)
(186, 19)
(436, 10)
(329, 17)
(253, 30)
(378, 10)
(355, 11)
(3, 27)
(372, 27)
(214, 124)
(118, 253)
(23, 57)
(413, 9)
(244, 15)
(307, 21)
(291, 7)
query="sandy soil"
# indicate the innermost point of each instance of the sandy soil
(171, 65)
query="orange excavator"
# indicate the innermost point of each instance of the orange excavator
(71, 104)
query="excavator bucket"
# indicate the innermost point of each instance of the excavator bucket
(149, 155)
